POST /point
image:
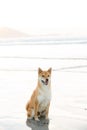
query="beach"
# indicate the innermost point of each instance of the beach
(18, 78)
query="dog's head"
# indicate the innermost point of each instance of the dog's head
(44, 76)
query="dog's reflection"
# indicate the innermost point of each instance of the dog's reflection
(38, 125)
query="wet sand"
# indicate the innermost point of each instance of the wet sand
(56, 123)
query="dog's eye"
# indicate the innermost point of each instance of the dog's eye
(42, 75)
(48, 75)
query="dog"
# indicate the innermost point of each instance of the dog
(39, 102)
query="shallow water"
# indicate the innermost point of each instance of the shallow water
(18, 78)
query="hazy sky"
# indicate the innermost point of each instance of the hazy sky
(44, 16)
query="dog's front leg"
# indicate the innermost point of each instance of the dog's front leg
(36, 110)
(47, 111)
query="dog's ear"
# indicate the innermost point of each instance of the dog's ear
(49, 70)
(39, 70)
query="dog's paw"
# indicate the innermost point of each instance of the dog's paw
(37, 119)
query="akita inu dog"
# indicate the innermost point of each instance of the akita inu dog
(40, 100)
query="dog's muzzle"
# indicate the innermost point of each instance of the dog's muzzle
(45, 82)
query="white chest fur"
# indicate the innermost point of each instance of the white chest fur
(44, 97)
